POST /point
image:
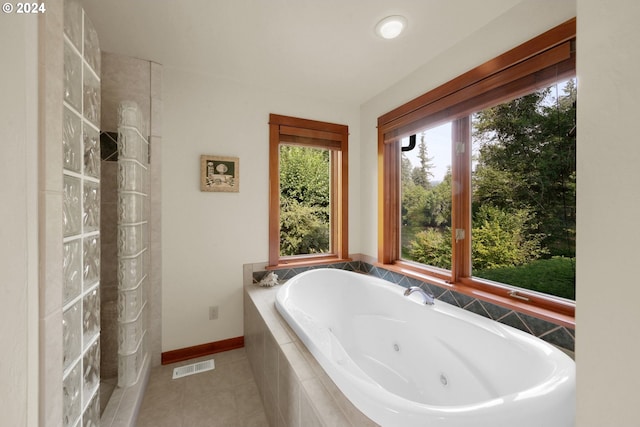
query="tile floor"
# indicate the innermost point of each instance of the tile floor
(226, 396)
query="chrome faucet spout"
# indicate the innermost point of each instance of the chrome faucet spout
(427, 297)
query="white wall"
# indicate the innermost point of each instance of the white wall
(207, 237)
(608, 290)
(18, 214)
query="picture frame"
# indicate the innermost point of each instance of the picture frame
(219, 174)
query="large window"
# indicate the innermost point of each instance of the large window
(477, 182)
(308, 191)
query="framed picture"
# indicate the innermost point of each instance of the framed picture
(219, 173)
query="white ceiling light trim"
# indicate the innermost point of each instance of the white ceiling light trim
(391, 26)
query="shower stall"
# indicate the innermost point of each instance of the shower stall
(111, 227)
(125, 249)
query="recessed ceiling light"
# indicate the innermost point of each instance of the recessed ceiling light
(391, 26)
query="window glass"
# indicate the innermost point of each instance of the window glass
(524, 191)
(507, 230)
(426, 197)
(308, 191)
(523, 200)
(305, 200)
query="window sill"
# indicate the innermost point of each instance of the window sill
(306, 261)
(464, 287)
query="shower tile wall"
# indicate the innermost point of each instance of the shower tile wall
(108, 274)
(81, 220)
(109, 266)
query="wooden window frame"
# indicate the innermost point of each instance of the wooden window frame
(532, 65)
(310, 133)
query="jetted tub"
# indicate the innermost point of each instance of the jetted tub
(403, 363)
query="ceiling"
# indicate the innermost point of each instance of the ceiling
(318, 48)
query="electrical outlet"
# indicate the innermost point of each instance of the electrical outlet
(213, 312)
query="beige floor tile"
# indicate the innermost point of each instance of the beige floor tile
(248, 400)
(224, 397)
(257, 419)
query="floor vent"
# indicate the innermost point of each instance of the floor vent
(194, 368)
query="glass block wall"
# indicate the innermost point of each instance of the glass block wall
(133, 254)
(81, 220)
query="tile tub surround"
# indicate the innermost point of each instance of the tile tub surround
(294, 388)
(560, 336)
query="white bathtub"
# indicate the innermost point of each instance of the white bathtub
(404, 364)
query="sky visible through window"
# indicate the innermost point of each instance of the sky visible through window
(438, 141)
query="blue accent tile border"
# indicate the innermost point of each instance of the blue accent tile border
(557, 335)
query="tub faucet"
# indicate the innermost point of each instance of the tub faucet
(428, 298)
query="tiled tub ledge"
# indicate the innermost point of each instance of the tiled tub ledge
(559, 336)
(294, 388)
